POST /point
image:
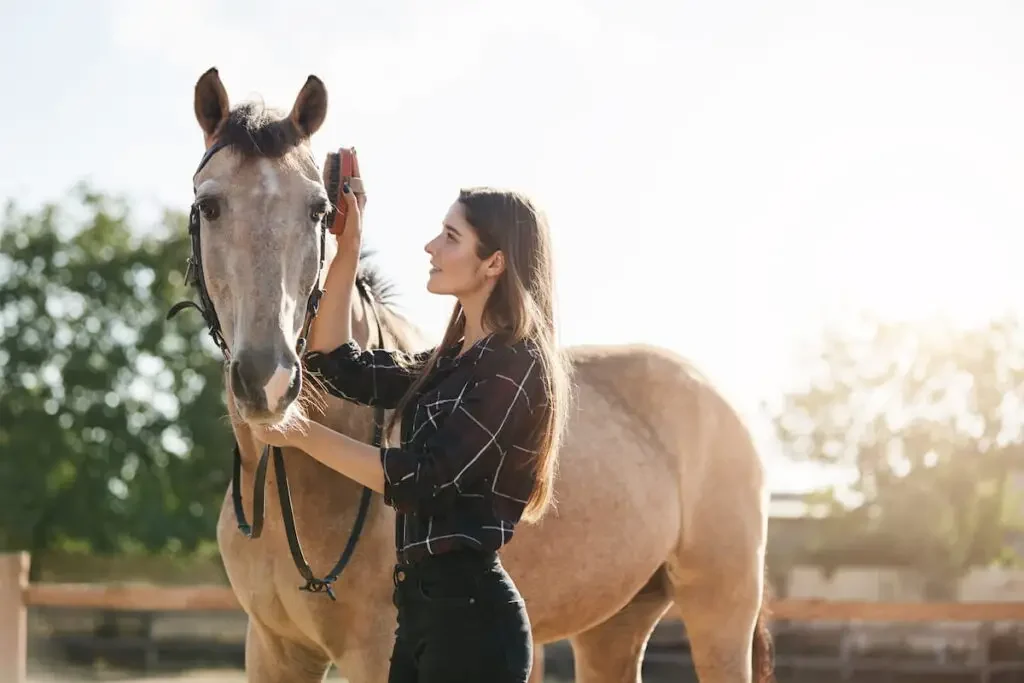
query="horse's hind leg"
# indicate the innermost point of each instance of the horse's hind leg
(537, 672)
(272, 659)
(721, 607)
(613, 651)
(717, 570)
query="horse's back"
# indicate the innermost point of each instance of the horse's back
(698, 430)
(656, 388)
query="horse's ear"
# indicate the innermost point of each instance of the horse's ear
(211, 103)
(310, 108)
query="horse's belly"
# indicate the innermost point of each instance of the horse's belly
(617, 518)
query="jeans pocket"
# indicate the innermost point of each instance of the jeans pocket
(448, 592)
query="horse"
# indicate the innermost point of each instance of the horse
(660, 495)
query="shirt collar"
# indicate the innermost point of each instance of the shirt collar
(450, 357)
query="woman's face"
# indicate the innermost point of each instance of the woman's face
(455, 267)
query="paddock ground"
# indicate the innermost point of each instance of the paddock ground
(72, 675)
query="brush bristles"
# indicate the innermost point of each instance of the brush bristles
(332, 182)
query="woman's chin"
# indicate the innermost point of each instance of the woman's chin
(435, 285)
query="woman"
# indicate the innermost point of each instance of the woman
(481, 417)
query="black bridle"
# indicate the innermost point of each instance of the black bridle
(194, 276)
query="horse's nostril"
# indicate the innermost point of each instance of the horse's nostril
(242, 384)
(295, 387)
(237, 381)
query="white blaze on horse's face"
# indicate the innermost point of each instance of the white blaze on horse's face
(261, 202)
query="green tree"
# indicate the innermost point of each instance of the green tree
(930, 418)
(113, 433)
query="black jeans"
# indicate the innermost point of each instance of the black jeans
(461, 619)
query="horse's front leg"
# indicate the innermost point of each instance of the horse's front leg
(272, 659)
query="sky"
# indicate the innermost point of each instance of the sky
(722, 179)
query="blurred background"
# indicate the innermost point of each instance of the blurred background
(817, 202)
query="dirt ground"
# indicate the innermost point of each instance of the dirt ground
(214, 676)
(192, 677)
(76, 675)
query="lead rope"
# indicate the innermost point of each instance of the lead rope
(313, 584)
(325, 585)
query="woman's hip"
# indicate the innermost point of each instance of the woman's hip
(462, 578)
(465, 617)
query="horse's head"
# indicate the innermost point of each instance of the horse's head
(257, 221)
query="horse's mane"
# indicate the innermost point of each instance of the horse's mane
(380, 286)
(254, 130)
(381, 289)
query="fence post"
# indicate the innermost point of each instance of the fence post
(13, 617)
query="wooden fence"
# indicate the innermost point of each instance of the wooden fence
(17, 595)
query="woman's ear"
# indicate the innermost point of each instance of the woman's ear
(495, 264)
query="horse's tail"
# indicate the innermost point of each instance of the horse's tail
(763, 652)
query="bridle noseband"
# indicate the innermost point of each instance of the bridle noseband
(194, 276)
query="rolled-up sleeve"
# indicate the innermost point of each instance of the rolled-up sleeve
(492, 418)
(372, 377)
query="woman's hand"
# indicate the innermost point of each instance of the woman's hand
(343, 454)
(351, 234)
(293, 436)
(332, 326)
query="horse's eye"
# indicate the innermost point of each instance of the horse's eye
(317, 212)
(210, 208)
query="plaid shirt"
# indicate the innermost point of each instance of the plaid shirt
(462, 475)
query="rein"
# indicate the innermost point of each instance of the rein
(194, 276)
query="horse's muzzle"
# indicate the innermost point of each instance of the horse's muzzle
(263, 384)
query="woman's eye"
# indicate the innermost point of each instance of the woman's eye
(210, 209)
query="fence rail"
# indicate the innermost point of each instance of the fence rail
(17, 594)
(140, 598)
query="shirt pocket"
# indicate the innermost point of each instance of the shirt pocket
(437, 404)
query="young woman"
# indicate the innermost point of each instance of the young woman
(481, 417)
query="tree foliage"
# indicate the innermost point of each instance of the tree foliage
(930, 418)
(113, 433)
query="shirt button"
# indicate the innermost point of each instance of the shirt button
(401, 575)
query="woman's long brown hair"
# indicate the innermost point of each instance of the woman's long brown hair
(521, 306)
